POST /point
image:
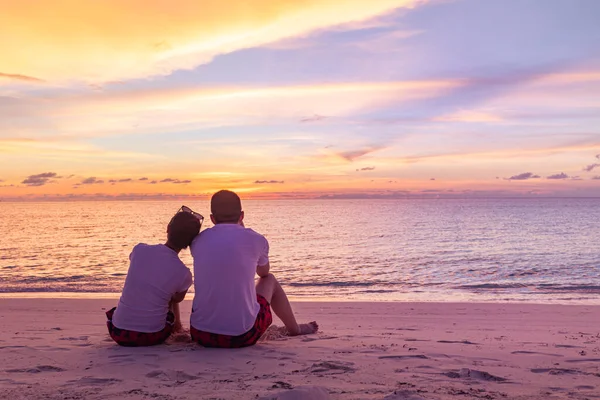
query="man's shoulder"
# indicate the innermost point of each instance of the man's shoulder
(255, 234)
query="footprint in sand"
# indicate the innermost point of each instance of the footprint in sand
(421, 356)
(474, 374)
(74, 338)
(456, 341)
(555, 371)
(583, 360)
(403, 395)
(92, 381)
(585, 387)
(176, 376)
(535, 353)
(331, 368)
(301, 393)
(36, 370)
(312, 339)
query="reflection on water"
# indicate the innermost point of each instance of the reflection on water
(544, 249)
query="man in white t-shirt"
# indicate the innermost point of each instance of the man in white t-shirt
(230, 309)
(157, 281)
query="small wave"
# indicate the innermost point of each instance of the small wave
(338, 284)
(48, 279)
(376, 291)
(569, 288)
(493, 286)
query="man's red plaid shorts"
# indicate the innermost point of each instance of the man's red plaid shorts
(263, 320)
(135, 339)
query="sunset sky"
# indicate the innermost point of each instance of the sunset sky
(342, 98)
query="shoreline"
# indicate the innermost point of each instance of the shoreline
(59, 348)
(407, 298)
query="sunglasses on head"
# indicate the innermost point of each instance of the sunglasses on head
(194, 213)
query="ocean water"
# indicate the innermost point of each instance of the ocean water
(542, 250)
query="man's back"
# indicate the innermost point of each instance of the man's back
(225, 261)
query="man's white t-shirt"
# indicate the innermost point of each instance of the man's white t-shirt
(225, 261)
(155, 274)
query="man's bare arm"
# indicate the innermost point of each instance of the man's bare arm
(263, 270)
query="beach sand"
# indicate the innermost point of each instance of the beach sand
(59, 349)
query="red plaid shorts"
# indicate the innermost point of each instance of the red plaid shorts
(263, 320)
(127, 338)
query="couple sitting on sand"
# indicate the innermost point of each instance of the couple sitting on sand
(230, 308)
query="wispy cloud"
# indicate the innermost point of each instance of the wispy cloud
(39, 179)
(174, 181)
(91, 181)
(268, 182)
(190, 34)
(523, 177)
(143, 179)
(352, 155)
(562, 175)
(591, 167)
(313, 118)
(365, 169)
(18, 77)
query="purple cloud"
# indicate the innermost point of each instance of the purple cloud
(523, 177)
(39, 179)
(177, 181)
(91, 181)
(153, 183)
(596, 178)
(562, 175)
(143, 179)
(352, 155)
(167, 180)
(591, 167)
(365, 169)
(125, 180)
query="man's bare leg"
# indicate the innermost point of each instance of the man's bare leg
(174, 308)
(270, 289)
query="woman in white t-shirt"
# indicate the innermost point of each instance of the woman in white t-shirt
(157, 281)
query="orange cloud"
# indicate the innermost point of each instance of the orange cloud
(118, 39)
(18, 77)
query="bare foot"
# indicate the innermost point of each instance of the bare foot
(305, 329)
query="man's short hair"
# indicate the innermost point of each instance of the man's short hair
(182, 230)
(226, 207)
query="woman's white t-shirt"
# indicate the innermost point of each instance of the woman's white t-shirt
(155, 274)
